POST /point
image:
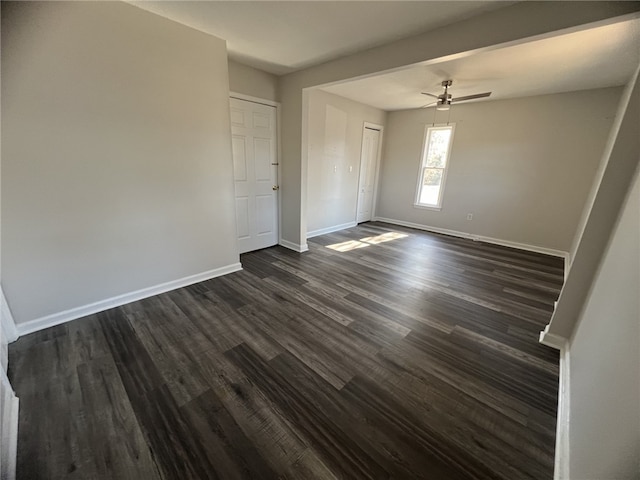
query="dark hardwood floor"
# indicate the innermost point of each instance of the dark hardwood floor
(383, 352)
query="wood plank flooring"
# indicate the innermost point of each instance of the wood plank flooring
(381, 353)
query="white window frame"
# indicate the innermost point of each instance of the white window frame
(421, 166)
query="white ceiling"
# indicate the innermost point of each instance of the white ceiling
(599, 57)
(284, 36)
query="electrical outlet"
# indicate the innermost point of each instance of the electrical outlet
(350, 168)
(335, 169)
(469, 216)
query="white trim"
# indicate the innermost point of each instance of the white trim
(561, 463)
(373, 126)
(9, 428)
(479, 238)
(296, 247)
(334, 228)
(7, 325)
(304, 172)
(551, 339)
(82, 311)
(249, 98)
(426, 207)
(278, 169)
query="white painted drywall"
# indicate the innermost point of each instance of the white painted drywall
(611, 183)
(522, 167)
(335, 142)
(116, 154)
(605, 361)
(511, 24)
(253, 82)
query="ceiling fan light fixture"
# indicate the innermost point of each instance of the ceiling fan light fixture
(443, 105)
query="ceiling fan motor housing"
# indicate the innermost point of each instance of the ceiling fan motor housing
(444, 102)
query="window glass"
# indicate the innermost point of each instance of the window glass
(434, 163)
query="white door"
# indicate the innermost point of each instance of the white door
(368, 168)
(255, 171)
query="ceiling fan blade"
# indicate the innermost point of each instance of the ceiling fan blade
(430, 94)
(470, 97)
(429, 105)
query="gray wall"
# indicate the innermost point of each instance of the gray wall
(116, 155)
(605, 361)
(522, 167)
(251, 81)
(335, 143)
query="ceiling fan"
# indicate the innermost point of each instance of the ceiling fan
(444, 100)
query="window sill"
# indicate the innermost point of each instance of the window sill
(427, 207)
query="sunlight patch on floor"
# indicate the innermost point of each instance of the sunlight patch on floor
(347, 246)
(365, 242)
(385, 237)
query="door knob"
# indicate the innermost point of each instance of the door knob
(275, 187)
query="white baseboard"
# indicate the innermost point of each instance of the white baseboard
(78, 312)
(561, 463)
(479, 238)
(296, 247)
(335, 228)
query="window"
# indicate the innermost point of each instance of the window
(433, 166)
